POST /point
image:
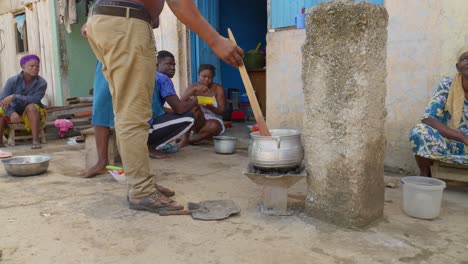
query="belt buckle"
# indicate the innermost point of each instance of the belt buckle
(127, 12)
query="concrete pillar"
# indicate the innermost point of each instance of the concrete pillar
(344, 87)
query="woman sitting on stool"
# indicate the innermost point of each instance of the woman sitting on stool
(21, 99)
(443, 134)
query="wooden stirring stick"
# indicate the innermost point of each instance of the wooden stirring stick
(252, 97)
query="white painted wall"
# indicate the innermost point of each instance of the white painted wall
(285, 97)
(172, 36)
(423, 38)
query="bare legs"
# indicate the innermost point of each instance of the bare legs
(205, 129)
(102, 141)
(2, 126)
(34, 122)
(424, 165)
(185, 140)
(211, 128)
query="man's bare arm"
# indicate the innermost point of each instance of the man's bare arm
(187, 12)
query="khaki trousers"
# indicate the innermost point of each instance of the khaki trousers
(126, 48)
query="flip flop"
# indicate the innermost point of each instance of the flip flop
(169, 148)
(4, 154)
(36, 146)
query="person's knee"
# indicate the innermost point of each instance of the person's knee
(213, 127)
(31, 108)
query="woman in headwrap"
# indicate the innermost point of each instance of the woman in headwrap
(443, 134)
(20, 100)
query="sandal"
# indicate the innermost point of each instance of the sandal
(154, 203)
(5, 154)
(169, 148)
(36, 146)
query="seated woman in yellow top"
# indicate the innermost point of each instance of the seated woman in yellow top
(20, 100)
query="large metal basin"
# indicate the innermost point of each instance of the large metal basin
(282, 150)
(26, 165)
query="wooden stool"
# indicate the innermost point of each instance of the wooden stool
(12, 137)
(447, 171)
(90, 148)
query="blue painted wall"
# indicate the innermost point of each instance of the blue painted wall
(248, 21)
(201, 52)
(284, 11)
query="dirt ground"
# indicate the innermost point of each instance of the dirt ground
(59, 218)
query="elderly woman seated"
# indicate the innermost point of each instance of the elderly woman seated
(443, 134)
(208, 117)
(20, 100)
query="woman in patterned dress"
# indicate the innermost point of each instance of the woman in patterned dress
(443, 134)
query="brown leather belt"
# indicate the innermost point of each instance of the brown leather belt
(121, 11)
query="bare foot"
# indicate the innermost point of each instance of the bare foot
(156, 154)
(97, 169)
(183, 142)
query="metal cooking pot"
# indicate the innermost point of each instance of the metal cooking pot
(224, 144)
(282, 150)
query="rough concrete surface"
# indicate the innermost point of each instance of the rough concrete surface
(285, 100)
(57, 218)
(344, 89)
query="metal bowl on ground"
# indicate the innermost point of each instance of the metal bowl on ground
(225, 144)
(26, 165)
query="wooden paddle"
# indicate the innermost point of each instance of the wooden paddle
(251, 94)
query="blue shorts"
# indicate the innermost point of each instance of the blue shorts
(103, 113)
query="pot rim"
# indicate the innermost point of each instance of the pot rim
(6, 161)
(295, 132)
(224, 138)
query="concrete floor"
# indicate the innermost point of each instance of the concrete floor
(59, 218)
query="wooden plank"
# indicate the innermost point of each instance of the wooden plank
(251, 94)
(447, 171)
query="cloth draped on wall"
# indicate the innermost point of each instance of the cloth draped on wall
(67, 13)
(20, 24)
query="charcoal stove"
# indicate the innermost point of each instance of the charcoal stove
(275, 183)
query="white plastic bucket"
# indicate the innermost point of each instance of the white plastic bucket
(422, 196)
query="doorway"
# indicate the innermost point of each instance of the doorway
(248, 22)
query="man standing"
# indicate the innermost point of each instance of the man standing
(120, 34)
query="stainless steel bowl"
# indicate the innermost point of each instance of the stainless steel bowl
(26, 165)
(224, 144)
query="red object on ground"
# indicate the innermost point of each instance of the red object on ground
(255, 128)
(83, 114)
(237, 115)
